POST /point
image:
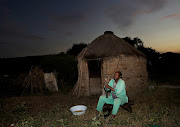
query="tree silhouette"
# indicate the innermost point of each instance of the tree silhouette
(151, 54)
(129, 40)
(136, 42)
(76, 49)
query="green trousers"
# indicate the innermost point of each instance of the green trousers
(116, 103)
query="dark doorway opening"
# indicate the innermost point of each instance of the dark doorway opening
(94, 67)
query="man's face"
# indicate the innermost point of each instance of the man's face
(116, 76)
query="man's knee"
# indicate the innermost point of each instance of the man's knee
(117, 101)
(101, 97)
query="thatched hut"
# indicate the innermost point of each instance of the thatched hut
(102, 57)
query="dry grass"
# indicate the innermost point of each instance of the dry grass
(159, 107)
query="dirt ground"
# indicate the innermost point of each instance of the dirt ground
(43, 103)
(157, 107)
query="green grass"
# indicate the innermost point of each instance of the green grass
(159, 107)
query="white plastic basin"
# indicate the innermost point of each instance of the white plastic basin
(78, 109)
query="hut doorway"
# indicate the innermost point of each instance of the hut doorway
(94, 67)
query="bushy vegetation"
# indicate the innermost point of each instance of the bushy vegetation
(65, 65)
(66, 68)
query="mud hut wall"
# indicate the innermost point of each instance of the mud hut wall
(95, 86)
(133, 69)
(83, 77)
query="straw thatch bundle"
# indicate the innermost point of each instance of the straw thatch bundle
(108, 45)
(35, 79)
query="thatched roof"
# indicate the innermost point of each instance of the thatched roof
(108, 45)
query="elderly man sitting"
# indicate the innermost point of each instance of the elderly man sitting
(118, 94)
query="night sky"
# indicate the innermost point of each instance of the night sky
(39, 27)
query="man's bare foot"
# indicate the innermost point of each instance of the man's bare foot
(98, 115)
(111, 120)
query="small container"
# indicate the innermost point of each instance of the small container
(78, 109)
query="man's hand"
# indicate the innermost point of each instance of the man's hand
(107, 86)
(113, 89)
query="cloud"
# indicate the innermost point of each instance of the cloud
(3, 43)
(68, 34)
(63, 22)
(125, 13)
(174, 16)
(10, 29)
(68, 18)
(4, 10)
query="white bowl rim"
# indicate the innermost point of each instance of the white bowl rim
(78, 106)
